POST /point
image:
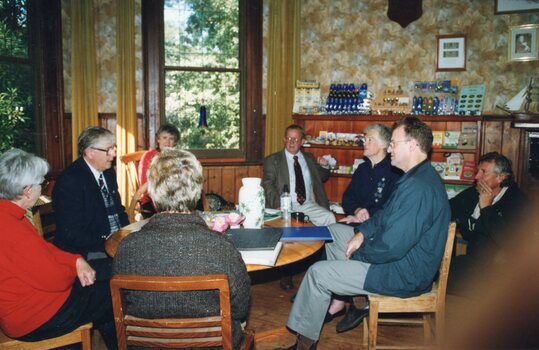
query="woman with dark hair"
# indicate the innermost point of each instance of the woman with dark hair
(166, 137)
(45, 292)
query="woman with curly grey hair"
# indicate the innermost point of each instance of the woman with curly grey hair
(44, 292)
(177, 242)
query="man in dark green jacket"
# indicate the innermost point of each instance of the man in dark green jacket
(397, 252)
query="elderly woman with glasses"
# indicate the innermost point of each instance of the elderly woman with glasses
(44, 292)
(177, 242)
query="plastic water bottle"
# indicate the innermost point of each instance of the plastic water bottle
(286, 205)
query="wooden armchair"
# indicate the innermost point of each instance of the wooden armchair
(79, 335)
(174, 332)
(131, 161)
(43, 220)
(429, 304)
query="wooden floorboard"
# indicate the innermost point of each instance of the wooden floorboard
(270, 306)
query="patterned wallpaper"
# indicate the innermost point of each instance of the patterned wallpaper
(105, 29)
(354, 41)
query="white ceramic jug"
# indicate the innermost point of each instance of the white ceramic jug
(252, 202)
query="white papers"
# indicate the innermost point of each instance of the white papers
(262, 257)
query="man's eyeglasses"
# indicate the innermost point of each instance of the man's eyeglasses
(43, 185)
(292, 139)
(106, 150)
(392, 143)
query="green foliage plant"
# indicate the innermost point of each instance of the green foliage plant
(12, 118)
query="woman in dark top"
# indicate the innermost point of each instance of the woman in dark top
(373, 180)
(177, 242)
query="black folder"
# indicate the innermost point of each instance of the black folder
(255, 239)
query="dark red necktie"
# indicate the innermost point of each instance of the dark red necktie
(300, 183)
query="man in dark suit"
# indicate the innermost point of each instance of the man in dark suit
(86, 202)
(279, 170)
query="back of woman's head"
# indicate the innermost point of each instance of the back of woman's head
(19, 169)
(175, 180)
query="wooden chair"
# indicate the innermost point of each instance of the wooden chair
(174, 332)
(79, 335)
(46, 228)
(131, 161)
(429, 304)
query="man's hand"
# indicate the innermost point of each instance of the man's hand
(354, 244)
(85, 272)
(322, 161)
(360, 216)
(486, 196)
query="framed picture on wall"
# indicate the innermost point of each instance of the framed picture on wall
(451, 53)
(522, 43)
(514, 6)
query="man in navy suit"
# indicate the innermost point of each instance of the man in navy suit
(86, 201)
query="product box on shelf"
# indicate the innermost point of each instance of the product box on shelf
(437, 139)
(451, 139)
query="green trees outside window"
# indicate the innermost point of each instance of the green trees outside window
(203, 68)
(17, 121)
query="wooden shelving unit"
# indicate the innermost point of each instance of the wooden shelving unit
(345, 155)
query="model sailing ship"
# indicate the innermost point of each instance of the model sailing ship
(525, 104)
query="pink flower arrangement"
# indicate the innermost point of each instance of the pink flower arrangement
(221, 223)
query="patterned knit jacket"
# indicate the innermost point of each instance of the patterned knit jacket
(182, 245)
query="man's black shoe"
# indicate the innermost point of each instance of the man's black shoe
(352, 319)
(330, 317)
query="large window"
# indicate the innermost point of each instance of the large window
(202, 72)
(210, 57)
(17, 101)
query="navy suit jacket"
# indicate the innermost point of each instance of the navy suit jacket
(81, 216)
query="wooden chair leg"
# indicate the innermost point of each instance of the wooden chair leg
(373, 324)
(427, 328)
(86, 338)
(440, 326)
(366, 331)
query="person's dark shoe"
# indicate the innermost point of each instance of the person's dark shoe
(330, 317)
(286, 283)
(302, 343)
(352, 319)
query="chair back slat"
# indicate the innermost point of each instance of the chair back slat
(131, 161)
(175, 343)
(172, 332)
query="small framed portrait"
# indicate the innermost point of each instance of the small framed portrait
(522, 43)
(451, 53)
(515, 6)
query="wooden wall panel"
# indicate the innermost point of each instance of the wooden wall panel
(499, 136)
(228, 174)
(491, 140)
(226, 180)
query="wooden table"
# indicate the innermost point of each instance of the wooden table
(290, 253)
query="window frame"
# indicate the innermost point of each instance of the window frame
(45, 56)
(252, 137)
